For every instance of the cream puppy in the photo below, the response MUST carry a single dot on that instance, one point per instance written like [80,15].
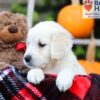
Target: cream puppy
[49,50]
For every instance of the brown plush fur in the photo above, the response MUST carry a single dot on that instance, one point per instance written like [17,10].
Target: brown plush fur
[13,29]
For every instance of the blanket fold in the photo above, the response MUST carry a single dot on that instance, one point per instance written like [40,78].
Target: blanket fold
[14,86]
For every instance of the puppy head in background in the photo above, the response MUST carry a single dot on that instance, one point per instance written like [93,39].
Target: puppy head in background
[46,41]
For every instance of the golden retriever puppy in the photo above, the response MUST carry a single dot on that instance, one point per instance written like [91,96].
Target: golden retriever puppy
[49,50]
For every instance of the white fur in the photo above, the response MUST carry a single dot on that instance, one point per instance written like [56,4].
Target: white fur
[55,58]
[35,76]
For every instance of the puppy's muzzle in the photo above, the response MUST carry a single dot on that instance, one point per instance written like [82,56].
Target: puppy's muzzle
[28,58]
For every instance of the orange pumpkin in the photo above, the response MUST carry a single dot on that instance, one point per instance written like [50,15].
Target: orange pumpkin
[70,17]
[90,67]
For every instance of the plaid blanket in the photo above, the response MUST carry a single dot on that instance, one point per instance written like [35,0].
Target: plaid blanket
[14,86]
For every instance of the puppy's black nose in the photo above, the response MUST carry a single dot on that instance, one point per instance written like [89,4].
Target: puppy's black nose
[28,58]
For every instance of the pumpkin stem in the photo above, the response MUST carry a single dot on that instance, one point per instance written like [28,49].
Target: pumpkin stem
[90,56]
[75,2]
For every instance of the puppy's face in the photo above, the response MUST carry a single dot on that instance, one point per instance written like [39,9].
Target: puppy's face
[45,42]
[38,50]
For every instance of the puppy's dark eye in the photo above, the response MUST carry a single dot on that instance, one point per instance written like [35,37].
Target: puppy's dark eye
[41,44]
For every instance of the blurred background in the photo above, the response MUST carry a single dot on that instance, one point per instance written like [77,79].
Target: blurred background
[49,10]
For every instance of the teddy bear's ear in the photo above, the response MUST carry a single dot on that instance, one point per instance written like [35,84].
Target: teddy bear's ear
[22,23]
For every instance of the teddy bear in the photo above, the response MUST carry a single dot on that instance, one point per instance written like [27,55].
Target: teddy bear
[13,31]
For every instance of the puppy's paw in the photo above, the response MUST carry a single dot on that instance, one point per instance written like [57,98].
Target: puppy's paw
[35,76]
[63,82]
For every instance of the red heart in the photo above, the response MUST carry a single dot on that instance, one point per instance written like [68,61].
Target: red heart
[88,7]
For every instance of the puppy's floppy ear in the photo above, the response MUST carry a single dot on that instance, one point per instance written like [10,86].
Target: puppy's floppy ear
[60,45]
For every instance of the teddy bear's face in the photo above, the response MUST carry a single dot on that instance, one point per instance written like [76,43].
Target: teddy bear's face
[13,27]
[11,33]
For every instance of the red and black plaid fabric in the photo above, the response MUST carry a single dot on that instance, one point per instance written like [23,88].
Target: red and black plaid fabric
[14,86]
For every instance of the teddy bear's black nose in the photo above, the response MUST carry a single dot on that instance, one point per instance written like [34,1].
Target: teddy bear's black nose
[13,29]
